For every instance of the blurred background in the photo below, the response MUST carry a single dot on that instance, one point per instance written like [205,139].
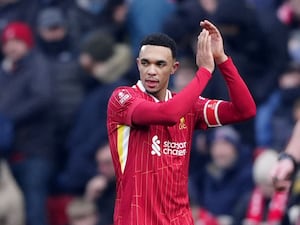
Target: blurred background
[61,59]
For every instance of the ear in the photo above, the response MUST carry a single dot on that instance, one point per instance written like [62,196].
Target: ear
[175,67]
[138,62]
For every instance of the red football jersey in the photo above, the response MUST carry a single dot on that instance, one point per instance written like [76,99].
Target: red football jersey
[152,162]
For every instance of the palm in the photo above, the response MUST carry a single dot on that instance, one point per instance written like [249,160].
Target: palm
[216,45]
[216,39]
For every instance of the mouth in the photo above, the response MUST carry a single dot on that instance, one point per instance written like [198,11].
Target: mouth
[151,83]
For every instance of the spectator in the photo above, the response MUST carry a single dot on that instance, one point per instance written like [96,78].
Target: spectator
[12,204]
[102,188]
[228,173]
[85,16]
[12,10]
[105,63]
[82,212]
[33,7]
[26,99]
[263,205]
[98,47]
[53,35]
[56,45]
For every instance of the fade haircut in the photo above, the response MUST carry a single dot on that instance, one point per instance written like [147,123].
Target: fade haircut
[160,39]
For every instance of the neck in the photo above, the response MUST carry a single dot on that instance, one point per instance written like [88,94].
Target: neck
[160,96]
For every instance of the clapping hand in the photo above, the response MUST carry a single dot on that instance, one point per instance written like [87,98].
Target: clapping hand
[217,46]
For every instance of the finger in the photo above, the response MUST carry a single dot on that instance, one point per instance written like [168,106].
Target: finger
[273,175]
[284,170]
[282,185]
[205,24]
[279,176]
[202,40]
[202,24]
[200,37]
[208,44]
[278,183]
[209,26]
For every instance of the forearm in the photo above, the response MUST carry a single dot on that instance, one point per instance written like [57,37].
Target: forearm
[293,147]
[241,105]
[169,113]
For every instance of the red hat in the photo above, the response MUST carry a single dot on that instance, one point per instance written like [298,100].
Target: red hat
[18,30]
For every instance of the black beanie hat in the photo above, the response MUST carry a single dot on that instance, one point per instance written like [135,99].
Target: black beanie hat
[99,45]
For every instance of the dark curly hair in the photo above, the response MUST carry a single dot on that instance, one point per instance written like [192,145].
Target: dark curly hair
[160,39]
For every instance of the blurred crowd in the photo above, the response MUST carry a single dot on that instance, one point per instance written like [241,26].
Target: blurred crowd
[61,59]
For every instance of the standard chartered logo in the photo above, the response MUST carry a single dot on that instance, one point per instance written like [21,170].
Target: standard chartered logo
[168,148]
[155,146]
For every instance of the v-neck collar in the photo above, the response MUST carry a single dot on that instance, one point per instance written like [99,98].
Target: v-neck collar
[141,87]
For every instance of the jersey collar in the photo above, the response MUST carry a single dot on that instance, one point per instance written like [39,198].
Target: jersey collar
[141,87]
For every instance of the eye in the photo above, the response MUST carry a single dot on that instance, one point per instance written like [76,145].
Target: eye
[144,63]
[161,64]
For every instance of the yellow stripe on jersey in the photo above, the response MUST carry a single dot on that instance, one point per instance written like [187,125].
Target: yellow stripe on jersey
[123,141]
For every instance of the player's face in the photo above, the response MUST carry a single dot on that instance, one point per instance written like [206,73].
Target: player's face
[156,64]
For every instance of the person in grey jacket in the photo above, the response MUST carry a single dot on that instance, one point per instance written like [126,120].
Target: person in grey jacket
[26,99]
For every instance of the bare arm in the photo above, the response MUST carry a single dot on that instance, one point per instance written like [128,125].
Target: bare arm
[283,170]
[293,147]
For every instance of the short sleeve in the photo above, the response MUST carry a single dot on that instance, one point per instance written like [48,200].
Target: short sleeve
[121,105]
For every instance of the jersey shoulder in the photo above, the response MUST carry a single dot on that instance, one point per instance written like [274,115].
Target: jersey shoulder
[123,94]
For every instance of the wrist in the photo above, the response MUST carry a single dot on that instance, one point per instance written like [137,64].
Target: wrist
[204,70]
[220,59]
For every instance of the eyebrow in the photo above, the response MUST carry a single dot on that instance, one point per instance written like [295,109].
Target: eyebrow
[156,62]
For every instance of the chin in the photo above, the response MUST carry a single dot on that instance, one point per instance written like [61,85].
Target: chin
[151,91]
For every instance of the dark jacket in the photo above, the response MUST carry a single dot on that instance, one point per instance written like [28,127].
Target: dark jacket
[6,135]
[88,133]
[220,194]
[26,98]
[68,86]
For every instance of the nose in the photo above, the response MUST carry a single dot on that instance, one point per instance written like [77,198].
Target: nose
[151,70]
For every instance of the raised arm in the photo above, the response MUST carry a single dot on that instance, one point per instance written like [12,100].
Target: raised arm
[241,105]
[169,113]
